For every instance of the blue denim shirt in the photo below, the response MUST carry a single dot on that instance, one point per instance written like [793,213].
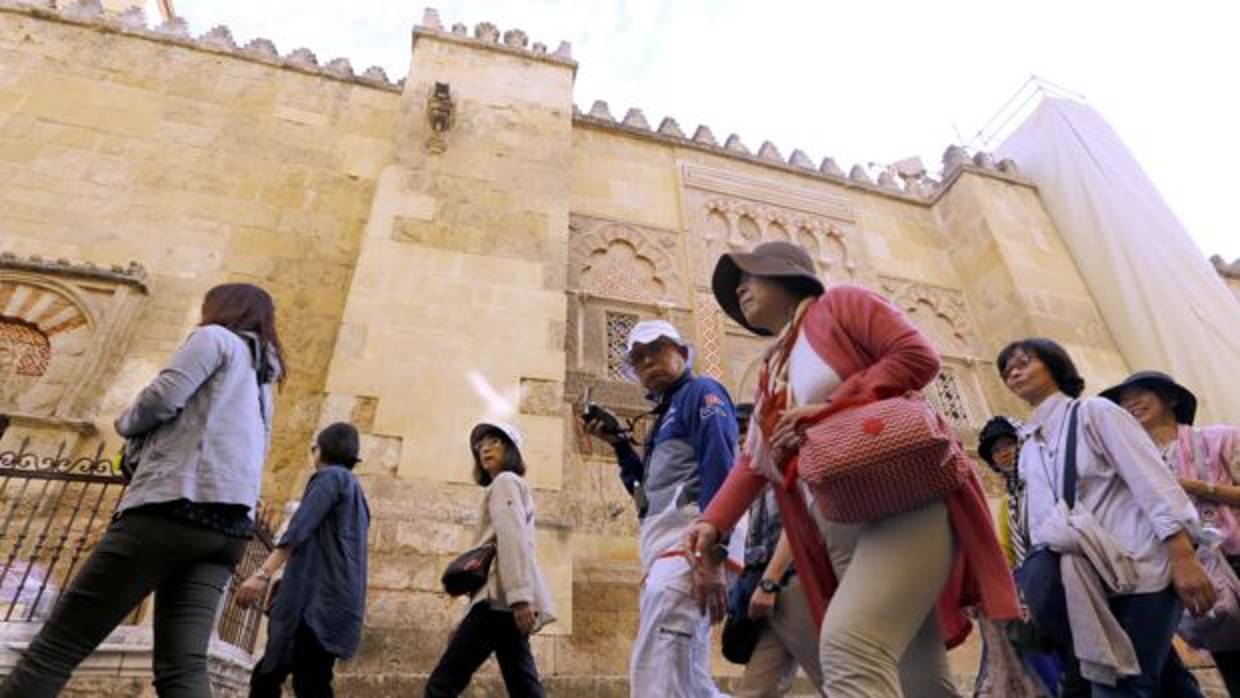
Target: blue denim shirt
[324,584]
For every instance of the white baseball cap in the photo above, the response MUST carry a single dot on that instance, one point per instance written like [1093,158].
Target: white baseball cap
[648,332]
[510,430]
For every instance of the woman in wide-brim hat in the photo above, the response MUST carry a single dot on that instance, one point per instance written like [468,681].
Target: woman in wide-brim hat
[872,586]
[515,602]
[1205,459]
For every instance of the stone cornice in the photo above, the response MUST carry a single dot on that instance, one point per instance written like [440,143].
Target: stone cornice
[89,13]
[924,192]
[133,275]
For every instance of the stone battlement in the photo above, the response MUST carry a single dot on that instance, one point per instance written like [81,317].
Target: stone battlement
[487,35]
[910,186]
[216,40]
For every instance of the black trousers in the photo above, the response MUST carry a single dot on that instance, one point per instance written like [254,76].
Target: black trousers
[483,631]
[188,568]
[311,666]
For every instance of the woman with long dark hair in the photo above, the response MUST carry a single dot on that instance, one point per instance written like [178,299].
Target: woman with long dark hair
[515,602]
[873,587]
[199,433]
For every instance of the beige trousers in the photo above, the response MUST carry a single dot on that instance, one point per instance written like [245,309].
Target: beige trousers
[788,640]
[880,637]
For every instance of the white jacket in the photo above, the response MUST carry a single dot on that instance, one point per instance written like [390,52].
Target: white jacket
[507,517]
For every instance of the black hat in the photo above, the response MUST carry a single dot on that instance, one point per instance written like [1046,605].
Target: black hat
[995,429]
[771,259]
[1185,401]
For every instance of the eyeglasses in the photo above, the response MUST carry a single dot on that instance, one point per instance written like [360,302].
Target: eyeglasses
[487,441]
[1021,361]
[642,353]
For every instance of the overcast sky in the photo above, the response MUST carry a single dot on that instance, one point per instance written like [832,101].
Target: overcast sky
[862,81]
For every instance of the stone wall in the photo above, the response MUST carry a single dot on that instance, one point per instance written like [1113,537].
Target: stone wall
[203,165]
[464,244]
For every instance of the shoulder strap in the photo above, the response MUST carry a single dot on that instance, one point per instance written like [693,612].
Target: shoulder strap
[1069,461]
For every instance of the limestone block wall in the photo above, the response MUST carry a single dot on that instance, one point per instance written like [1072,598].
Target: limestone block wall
[202,162]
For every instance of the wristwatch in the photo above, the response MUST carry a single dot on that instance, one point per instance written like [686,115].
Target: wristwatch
[770,586]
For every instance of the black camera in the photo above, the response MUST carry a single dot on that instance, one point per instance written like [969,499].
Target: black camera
[609,423]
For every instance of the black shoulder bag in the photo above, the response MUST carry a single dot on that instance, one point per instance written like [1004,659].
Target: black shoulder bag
[1038,577]
[469,572]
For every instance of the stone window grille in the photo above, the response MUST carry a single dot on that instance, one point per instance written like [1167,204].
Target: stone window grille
[618,327]
[947,394]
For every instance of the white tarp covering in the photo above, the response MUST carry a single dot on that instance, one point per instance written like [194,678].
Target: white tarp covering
[1163,301]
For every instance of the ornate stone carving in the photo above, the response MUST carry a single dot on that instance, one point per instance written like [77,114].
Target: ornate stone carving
[60,324]
[263,48]
[565,50]
[710,332]
[624,262]
[940,312]
[745,224]
[430,19]
[340,67]
[859,175]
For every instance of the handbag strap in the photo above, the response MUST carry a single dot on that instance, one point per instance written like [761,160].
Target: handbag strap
[1069,461]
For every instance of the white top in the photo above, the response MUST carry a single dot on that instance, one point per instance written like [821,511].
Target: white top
[1121,480]
[811,378]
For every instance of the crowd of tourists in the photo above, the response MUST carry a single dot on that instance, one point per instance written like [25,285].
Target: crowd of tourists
[834,523]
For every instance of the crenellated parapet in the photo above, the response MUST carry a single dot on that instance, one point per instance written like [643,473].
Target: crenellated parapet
[133,22]
[905,180]
[488,36]
[894,180]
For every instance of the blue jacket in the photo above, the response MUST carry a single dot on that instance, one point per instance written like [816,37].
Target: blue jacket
[692,446]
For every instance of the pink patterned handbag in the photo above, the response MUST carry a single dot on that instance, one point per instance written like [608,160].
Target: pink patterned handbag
[881,458]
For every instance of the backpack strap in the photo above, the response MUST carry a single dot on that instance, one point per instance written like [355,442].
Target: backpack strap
[1069,460]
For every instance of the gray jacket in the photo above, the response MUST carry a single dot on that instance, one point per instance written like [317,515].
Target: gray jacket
[203,425]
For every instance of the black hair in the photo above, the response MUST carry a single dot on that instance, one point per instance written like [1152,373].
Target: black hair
[1049,352]
[338,445]
[796,286]
[513,462]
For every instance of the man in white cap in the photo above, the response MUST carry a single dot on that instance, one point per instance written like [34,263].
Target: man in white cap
[684,461]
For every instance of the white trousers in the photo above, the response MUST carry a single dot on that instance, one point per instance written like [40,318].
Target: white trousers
[671,655]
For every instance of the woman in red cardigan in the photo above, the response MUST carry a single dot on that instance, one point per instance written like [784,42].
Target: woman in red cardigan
[873,588]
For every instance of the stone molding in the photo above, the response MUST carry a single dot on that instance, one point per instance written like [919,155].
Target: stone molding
[488,37]
[923,191]
[134,274]
[948,304]
[218,40]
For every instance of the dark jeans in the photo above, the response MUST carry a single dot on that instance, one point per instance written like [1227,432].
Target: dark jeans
[483,631]
[1150,621]
[310,665]
[1228,665]
[186,566]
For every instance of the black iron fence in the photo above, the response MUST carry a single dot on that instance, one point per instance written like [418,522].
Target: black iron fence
[53,510]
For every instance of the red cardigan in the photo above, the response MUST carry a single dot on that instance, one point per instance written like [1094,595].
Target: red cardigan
[879,353]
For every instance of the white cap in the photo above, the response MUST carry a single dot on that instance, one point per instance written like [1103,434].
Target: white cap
[648,332]
[510,430]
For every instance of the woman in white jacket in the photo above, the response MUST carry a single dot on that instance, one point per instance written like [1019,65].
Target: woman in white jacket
[515,602]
